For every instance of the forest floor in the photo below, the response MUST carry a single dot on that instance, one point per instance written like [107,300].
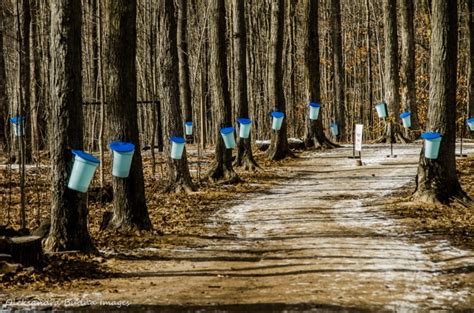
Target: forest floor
[316,232]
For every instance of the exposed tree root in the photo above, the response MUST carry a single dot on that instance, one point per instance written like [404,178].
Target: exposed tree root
[220,173]
[180,186]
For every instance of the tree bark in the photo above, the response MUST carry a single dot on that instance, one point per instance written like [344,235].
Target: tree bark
[339,81]
[3,90]
[470,6]
[408,62]
[279,142]
[180,179]
[391,78]
[130,210]
[437,180]
[184,86]
[314,136]
[245,157]
[221,169]
[68,207]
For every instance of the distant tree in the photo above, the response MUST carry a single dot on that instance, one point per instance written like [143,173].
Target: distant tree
[245,157]
[184,86]
[180,179]
[391,73]
[68,207]
[338,86]
[130,209]
[408,62]
[4,124]
[279,148]
[437,180]
[314,136]
[221,168]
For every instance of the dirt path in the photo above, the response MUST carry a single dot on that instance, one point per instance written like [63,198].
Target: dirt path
[320,240]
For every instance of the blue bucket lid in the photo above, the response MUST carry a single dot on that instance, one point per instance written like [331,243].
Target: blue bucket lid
[242,120]
[314,104]
[405,114]
[431,135]
[278,114]
[189,123]
[120,146]
[333,125]
[227,130]
[86,156]
[17,119]
[177,139]
[470,120]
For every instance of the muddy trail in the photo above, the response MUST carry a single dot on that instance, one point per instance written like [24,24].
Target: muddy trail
[320,241]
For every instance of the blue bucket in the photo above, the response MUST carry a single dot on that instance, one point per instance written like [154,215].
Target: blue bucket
[18,125]
[277,120]
[470,123]
[177,147]
[432,144]
[245,124]
[227,134]
[123,155]
[334,129]
[188,128]
[406,119]
[381,109]
[314,110]
[82,171]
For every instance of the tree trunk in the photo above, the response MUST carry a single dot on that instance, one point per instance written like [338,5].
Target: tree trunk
[408,63]
[470,5]
[25,77]
[3,90]
[437,180]
[184,87]
[314,136]
[391,79]
[339,81]
[244,151]
[180,179]
[130,210]
[221,168]
[279,142]
[68,207]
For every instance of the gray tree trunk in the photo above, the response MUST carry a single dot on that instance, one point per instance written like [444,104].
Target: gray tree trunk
[184,87]
[221,168]
[408,62]
[339,83]
[180,179]
[130,210]
[470,6]
[437,180]
[279,148]
[314,136]
[3,91]
[244,149]
[68,207]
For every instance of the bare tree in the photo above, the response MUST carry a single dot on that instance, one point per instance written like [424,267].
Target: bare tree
[470,19]
[408,61]
[184,87]
[221,168]
[245,157]
[3,90]
[314,136]
[279,148]
[68,207]
[180,179]
[437,180]
[338,86]
[130,209]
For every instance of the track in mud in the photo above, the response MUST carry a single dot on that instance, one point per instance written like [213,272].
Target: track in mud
[320,240]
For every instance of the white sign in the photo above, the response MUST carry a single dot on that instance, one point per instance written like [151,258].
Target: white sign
[358,136]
